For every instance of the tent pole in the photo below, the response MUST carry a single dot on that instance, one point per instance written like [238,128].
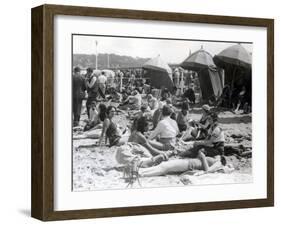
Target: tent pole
[232,83]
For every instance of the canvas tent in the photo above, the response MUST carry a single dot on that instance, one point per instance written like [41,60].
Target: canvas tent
[159,73]
[209,77]
[210,83]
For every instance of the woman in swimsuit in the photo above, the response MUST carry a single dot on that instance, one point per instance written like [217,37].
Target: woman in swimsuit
[110,129]
[207,164]
[137,136]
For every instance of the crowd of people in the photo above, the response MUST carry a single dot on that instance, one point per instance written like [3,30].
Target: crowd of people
[163,137]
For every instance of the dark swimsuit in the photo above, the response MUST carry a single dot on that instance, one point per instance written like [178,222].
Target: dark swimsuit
[112,134]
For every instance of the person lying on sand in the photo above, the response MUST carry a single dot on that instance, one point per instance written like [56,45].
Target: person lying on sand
[135,154]
[110,130]
[207,164]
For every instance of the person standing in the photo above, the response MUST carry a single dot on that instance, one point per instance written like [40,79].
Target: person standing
[92,89]
[102,84]
[78,93]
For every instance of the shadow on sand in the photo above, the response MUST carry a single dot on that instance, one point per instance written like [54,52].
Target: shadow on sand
[236,119]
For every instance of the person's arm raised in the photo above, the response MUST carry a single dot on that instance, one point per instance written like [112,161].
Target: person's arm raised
[92,82]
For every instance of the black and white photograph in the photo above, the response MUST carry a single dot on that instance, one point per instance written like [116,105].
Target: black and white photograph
[158,112]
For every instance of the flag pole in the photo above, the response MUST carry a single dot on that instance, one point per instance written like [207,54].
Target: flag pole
[96,55]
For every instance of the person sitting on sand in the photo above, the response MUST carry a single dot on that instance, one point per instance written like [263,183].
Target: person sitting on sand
[97,116]
[183,118]
[173,109]
[200,129]
[157,115]
[144,111]
[165,94]
[189,95]
[167,129]
[224,98]
[207,164]
[241,97]
[133,102]
[137,136]
[110,130]
[114,96]
[213,144]
[139,151]
[152,103]
[204,118]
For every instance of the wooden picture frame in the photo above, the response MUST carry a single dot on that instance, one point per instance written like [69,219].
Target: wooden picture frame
[42,203]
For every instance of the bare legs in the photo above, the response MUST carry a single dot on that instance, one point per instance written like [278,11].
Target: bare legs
[171,166]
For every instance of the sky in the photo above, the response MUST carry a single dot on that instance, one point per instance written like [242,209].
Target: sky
[171,51]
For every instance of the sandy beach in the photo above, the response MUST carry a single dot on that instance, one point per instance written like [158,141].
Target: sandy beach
[95,168]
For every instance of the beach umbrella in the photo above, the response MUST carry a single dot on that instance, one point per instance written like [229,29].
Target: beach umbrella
[234,60]
[159,73]
[235,55]
[209,78]
[198,60]
[157,64]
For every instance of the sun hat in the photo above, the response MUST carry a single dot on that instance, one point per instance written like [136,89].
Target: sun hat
[206,107]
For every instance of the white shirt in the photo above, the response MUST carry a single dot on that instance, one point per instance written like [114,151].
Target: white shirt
[93,115]
[136,100]
[153,103]
[166,128]
[216,135]
[102,79]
